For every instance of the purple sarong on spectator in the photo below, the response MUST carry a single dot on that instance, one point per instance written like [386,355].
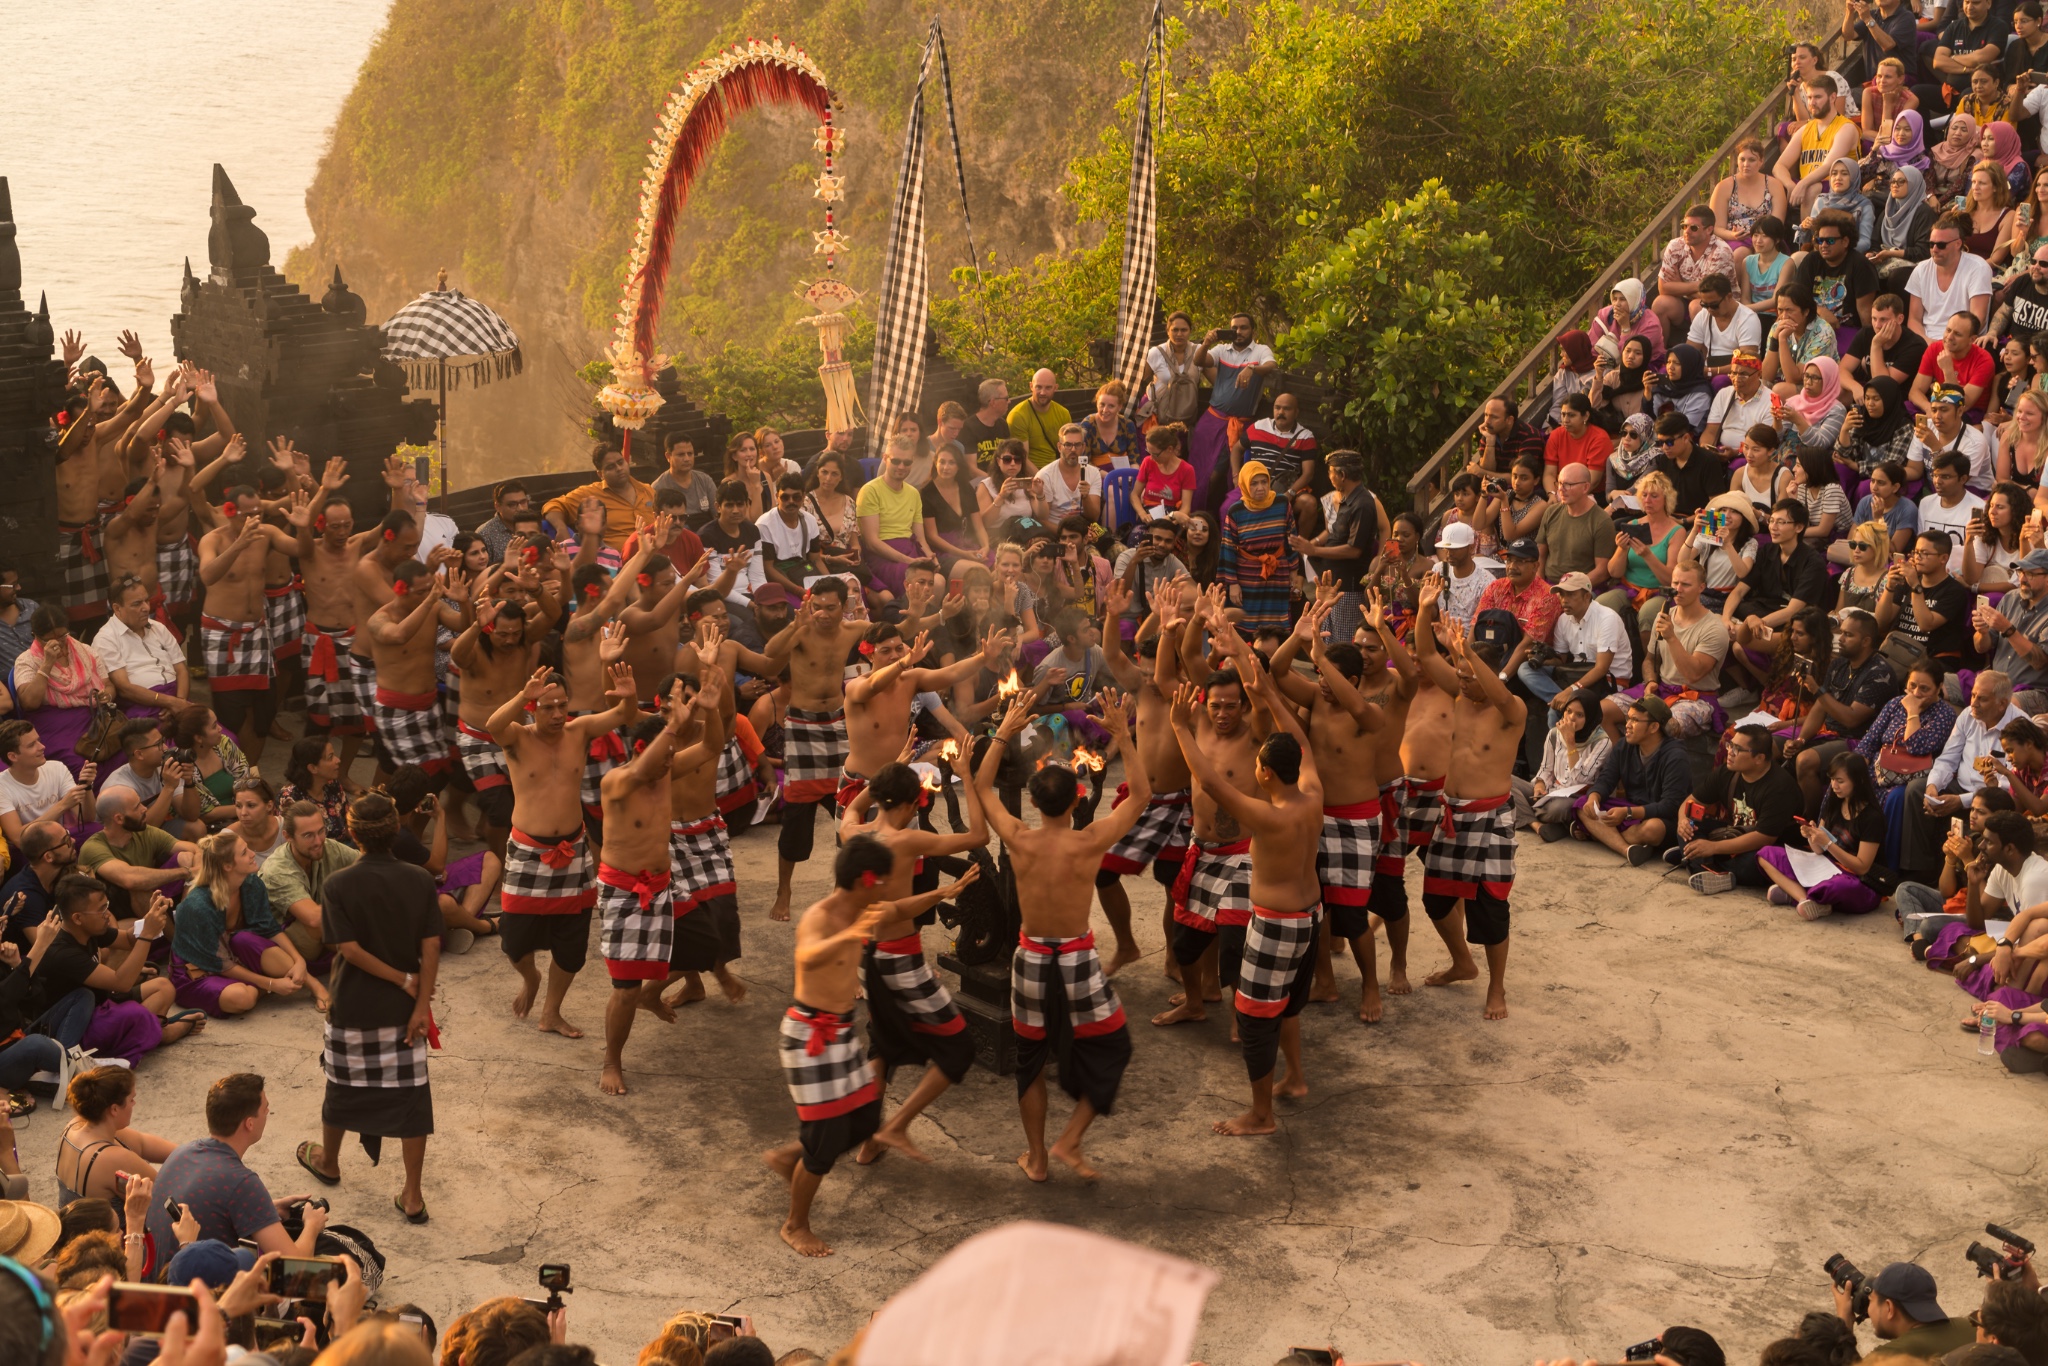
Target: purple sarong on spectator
[888,574]
[123,1029]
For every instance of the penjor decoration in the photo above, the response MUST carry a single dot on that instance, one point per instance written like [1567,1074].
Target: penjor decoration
[695,117]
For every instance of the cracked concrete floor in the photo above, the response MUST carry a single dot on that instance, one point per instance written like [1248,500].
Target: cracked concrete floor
[1694,1102]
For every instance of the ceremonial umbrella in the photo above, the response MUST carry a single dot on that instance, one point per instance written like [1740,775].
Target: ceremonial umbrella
[444,336]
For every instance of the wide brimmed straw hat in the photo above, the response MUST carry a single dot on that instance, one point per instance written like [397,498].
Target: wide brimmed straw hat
[27,1230]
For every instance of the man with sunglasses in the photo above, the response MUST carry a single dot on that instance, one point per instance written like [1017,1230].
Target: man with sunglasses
[2025,310]
[48,852]
[1951,280]
[1695,475]
[1840,278]
[1688,260]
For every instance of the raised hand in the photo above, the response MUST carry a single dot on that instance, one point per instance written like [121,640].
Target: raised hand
[622,688]
[1327,590]
[203,386]
[1185,698]
[707,633]
[966,880]
[1116,596]
[397,474]
[129,345]
[1375,609]
[590,518]
[74,347]
[300,511]
[1115,719]
[995,647]
[611,642]
[1014,720]
[236,448]
[333,474]
[281,454]
[145,373]
[180,452]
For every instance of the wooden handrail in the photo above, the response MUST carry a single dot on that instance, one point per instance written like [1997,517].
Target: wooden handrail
[1425,489]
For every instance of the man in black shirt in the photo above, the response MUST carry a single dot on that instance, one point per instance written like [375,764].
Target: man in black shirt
[1859,682]
[1887,349]
[1741,808]
[1974,37]
[1695,475]
[383,919]
[125,1018]
[1632,807]
[1839,277]
[1924,603]
[988,426]
[1786,576]
[2025,310]
[47,853]
[1346,547]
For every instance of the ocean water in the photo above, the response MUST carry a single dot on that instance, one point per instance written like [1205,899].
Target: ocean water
[112,114]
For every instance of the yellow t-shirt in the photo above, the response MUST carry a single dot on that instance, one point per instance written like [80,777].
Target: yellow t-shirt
[898,510]
[1814,143]
[1039,431]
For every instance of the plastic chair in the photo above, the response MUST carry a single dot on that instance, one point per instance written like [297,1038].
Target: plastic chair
[1116,497]
[869,466]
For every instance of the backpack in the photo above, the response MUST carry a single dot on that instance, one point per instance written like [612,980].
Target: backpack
[1497,626]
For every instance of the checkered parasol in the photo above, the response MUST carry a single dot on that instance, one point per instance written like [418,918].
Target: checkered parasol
[446,336]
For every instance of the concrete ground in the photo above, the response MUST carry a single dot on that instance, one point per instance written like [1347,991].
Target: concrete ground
[1693,1103]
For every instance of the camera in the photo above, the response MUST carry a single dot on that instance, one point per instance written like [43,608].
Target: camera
[1989,1264]
[182,755]
[554,1278]
[1843,1273]
[2009,1238]
[1644,1351]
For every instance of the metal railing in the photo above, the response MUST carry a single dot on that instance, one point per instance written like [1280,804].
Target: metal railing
[1527,385]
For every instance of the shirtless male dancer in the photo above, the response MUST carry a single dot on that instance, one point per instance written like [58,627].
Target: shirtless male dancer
[837,1090]
[706,894]
[651,618]
[708,645]
[637,923]
[406,706]
[496,653]
[191,462]
[91,441]
[878,702]
[234,638]
[1472,855]
[912,1017]
[1212,898]
[1356,710]
[1160,837]
[548,891]
[1285,823]
[1058,995]
[814,729]
[1412,806]
[390,543]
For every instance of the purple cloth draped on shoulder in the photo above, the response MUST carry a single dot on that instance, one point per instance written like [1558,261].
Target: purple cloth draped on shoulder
[1208,445]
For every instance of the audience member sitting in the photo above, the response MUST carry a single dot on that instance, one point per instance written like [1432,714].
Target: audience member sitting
[1619,386]
[831,502]
[1744,405]
[788,536]
[465,886]
[1576,536]
[256,816]
[2014,633]
[1810,149]
[1867,550]
[1787,576]
[35,787]
[1576,441]
[218,764]
[1850,832]
[1886,502]
[1741,199]
[2023,769]
[295,875]
[1788,678]
[1810,477]
[145,663]
[2023,441]
[1756,479]
[101,1142]
[1886,349]
[1959,362]
[1993,546]
[1720,543]
[1798,337]
[1575,752]
[1695,475]
[1924,910]
[56,682]
[1908,1321]
[153,776]
[132,856]
[209,1178]
[1683,387]
[952,512]
[1681,663]
[1931,800]
[313,775]
[495,1332]
[1724,326]
[1836,273]
[1623,318]
[229,949]
[1951,280]
[1949,509]
[1632,806]
[1924,605]
[1641,562]
[1745,805]
[1853,688]
[1576,373]
[1165,486]
[2013,376]
[1524,502]
[123,1016]
[1591,645]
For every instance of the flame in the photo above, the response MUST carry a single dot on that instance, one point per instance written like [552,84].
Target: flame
[1009,687]
[950,750]
[1087,761]
[931,781]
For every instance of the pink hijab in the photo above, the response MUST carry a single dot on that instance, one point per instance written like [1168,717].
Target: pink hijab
[1815,408]
[1960,145]
[2005,146]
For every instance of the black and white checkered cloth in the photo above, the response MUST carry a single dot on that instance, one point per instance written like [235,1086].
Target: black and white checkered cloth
[331,701]
[1137,294]
[445,331]
[635,922]
[409,728]
[813,753]
[177,571]
[546,879]
[896,377]
[374,1057]
[700,861]
[82,569]
[604,753]
[1409,813]
[1215,886]
[1092,1007]
[481,758]
[284,615]
[827,1071]
[900,967]
[1277,950]
[1344,860]
[1161,832]
[733,772]
[1476,853]
[236,653]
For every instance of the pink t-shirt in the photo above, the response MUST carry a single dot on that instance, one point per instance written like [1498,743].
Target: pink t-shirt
[1159,492]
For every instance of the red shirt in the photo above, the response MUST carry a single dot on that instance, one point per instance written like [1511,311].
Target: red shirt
[685,550]
[1536,607]
[1590,450]
[1974,370]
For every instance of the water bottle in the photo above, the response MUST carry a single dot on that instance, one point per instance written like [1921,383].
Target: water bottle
[1987,1030]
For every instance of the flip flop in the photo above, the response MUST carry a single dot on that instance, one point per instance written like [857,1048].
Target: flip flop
[183,1013]
[307,1162]
[20,1104]
[398,1203]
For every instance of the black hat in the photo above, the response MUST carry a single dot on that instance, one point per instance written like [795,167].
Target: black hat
[1524,549]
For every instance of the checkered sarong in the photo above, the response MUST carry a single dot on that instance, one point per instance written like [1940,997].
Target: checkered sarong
[409,728]
[82,570]
[823,1064]
[1278,948]
[236,653]
[1161,832]
[284,612]
[481,758]
[177,571]
[605,753]
[547,878]
[374,1057]
[1215,885]
[636,927]
[1409,811]
[1474,849]
[1091,1006]
[735,778]
[331,701]
[700,861]
[1344,860]
[813,753]
[900,967]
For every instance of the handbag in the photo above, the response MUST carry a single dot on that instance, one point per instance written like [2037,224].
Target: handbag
[1176,399]
[102,733]
[1894,759]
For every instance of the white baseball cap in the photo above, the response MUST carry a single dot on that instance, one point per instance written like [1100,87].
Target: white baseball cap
[1456,536]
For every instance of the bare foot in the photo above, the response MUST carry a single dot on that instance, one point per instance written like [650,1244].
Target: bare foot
[689,993]
[1318,995]
[523,1002]
[802,1239]
[613,1082]
[870,1153]
[1496,1003]
[651,1002]
[900,1141]
[558,1025]
[735,990]
[1034,1170]
[1246,1125]
[1453,973]
[1293,1088]
[1184,1013]
[1172,969]
[1123,958]
[1369,1007]
[1073,1158]
[779,911]
[1397,980]
[782,1161]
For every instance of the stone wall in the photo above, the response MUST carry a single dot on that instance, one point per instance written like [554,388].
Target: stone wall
[31,390]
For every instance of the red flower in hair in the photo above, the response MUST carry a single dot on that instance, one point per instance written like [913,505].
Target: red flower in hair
[400,588]
[867,647]
[160,432]
[61,420]
[644,580]
[320,522]
[591,590]
[490,626]
[231,508]
[531,554]
[390,533]
[868,879]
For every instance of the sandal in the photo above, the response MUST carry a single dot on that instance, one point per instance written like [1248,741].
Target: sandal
[398,1203]
[20,1103]
[307,1162]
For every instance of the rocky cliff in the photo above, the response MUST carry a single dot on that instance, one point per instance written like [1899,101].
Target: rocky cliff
[504,139]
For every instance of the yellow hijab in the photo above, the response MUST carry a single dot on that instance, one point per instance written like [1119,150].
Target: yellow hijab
[1244,485]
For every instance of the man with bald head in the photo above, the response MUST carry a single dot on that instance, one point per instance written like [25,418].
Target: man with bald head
[1036,421]
[131,855]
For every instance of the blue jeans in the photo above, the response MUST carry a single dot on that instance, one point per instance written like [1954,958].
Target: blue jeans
[1539,682]
[67,1021]
[26,1056]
